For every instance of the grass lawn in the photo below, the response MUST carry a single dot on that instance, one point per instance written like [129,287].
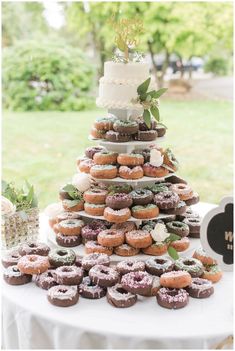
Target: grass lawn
[43,146]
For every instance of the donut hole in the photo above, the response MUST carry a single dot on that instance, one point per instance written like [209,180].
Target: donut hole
[15,256]
[181,187]
[62,291]
[129,264]
[32,259]
[15,269]
[177,225]
[199,282]
[49,274]
[159,261]
[167,196]
[121,291]
[61,253]
[31,245]
[67,269]
[104,271]
[138,279]
[189,263]
[172,292]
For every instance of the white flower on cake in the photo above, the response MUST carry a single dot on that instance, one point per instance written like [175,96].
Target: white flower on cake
[159,233]
[81,181]
[54,209]
[7,206]
[156,158]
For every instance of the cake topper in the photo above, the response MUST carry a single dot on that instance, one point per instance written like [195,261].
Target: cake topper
[127,38]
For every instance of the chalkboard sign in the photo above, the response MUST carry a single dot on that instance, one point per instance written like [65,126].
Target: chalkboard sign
[217,233]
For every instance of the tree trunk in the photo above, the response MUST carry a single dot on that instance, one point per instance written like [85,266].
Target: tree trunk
[164,69]
[155,70]
[190,72]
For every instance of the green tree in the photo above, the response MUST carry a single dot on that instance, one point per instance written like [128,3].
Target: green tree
[22,20]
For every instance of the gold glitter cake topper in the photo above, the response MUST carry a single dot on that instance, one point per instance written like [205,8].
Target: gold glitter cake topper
[127,34]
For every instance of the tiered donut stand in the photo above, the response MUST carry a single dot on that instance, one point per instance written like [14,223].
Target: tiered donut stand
[121,147]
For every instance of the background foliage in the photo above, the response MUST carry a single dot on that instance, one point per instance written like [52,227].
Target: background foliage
[194,29]
[46,76]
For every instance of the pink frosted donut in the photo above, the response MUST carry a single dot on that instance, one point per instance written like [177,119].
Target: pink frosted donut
[33,264]
[137,283]
[103,276]
[130,265]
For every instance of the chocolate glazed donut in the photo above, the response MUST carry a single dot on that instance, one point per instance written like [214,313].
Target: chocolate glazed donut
[119,297]
[172,298]
[119,201]
[141,196]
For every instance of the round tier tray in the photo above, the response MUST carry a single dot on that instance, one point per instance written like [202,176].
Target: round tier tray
[134,181]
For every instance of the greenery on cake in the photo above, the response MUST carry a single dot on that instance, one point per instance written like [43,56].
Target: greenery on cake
[149,101]
[23,198]
[127,36]
[171,250]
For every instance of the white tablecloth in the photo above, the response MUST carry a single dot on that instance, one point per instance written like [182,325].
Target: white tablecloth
[30,322]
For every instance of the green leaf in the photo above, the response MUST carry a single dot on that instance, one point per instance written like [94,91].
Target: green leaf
[4,186]
[147,118]
[142,88]
[69,187]
[159,93]
[173,237]
[143,97]
[155,112]
[172,253]
[162,124]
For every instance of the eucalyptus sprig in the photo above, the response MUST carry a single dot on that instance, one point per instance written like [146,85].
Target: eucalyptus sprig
[149,101]
[74,194]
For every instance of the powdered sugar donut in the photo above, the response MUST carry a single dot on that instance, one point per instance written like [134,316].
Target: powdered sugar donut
[68,275]
[103,276]
[62,295]
[212,273]
[124,227]
[118,201]
[94,209]
[33,264]
[181,245]
[69,205]
[156,249]
[117,216]
[155,172]
[119,297]
[86,165]
[172,298]
[67,215]
[175,279]
[127,266]
[130,159]
[93,259]
[95,196]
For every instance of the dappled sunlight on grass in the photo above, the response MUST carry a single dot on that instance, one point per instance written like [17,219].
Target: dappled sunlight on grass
[43,146]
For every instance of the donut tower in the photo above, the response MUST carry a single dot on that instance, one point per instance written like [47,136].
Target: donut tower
[126,184]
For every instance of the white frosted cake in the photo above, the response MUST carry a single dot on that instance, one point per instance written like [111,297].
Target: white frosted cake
[119,84]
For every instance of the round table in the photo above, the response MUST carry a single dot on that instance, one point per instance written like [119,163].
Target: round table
[30,322]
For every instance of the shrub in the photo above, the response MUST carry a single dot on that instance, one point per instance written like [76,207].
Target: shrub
[219,66]
[46,76]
